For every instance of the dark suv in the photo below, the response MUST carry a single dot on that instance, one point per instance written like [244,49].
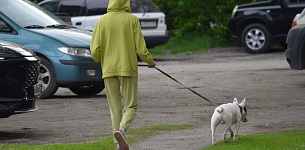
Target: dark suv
[259,25]
[19,87]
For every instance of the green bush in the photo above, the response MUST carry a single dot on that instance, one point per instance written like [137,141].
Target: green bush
[201,17]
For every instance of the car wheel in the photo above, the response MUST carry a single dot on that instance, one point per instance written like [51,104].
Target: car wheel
[255,38]
[88,90]
[47,77]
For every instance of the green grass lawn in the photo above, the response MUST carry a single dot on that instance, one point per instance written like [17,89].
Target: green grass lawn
[105,144]
[282,140]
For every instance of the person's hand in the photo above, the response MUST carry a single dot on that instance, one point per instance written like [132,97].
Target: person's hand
[152,65]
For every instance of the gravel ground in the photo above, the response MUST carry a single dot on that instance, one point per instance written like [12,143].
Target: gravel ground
[275,101]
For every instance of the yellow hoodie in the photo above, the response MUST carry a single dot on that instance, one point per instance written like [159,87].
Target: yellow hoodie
[117,40]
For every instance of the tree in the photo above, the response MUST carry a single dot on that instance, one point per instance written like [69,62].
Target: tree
[199,16]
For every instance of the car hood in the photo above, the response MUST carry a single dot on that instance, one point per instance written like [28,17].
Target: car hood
[71,37]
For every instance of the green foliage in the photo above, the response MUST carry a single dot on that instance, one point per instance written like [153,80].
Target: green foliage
[37,1]
[272,140]
[202,17]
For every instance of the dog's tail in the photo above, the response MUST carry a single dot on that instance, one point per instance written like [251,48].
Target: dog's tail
[220,110]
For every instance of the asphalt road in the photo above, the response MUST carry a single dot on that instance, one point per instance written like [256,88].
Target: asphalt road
[275,101]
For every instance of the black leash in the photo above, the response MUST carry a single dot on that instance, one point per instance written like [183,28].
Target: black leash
[181,84]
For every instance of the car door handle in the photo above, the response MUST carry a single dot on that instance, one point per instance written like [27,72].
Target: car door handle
[78,23]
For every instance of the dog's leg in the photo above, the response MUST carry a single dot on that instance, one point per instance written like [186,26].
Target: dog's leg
[231,132]
[225,133]
[213,128]
[214,123]
[237,124]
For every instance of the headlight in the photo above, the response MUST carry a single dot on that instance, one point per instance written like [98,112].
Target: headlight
[31,58]
[234,10]
[75,51]
[20,50]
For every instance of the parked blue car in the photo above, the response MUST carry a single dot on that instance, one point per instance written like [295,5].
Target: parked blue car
[64,50]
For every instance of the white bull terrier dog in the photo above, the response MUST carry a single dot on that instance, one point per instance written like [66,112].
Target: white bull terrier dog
[229,114]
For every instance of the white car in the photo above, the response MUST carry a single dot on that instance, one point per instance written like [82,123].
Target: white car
[86,13]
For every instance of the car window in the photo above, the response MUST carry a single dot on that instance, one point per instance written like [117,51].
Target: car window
[97,7]
[141,6]
[23,17]
[4,27]
[73,8]
[51,7]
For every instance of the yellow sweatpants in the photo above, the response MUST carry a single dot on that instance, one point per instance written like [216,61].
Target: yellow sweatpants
[130,97]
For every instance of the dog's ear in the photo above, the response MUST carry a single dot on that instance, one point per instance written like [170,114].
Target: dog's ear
[235,101]
[243,103]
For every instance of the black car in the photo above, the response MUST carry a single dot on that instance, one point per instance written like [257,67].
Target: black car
[259,25]
[19,72]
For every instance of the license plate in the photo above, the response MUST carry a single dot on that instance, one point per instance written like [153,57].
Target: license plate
[148,24]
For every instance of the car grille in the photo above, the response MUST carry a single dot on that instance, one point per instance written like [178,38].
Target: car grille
[31,74]
[18,77]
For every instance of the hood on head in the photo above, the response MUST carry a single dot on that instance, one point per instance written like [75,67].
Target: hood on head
[118,5]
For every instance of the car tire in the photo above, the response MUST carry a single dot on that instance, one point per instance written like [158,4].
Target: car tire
[255,38]
[47,77]
[87,90]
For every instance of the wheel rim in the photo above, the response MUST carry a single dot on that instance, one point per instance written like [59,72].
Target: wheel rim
[45,77]
[255,39]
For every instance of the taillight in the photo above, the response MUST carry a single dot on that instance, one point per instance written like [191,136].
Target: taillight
[295,19]
[294,23]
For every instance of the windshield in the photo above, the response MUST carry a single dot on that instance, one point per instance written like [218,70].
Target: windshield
[25,14]
[143,6]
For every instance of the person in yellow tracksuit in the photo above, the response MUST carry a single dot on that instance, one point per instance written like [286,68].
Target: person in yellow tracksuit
[116,42]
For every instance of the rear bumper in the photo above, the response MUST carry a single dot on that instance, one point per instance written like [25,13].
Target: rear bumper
[152,41]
